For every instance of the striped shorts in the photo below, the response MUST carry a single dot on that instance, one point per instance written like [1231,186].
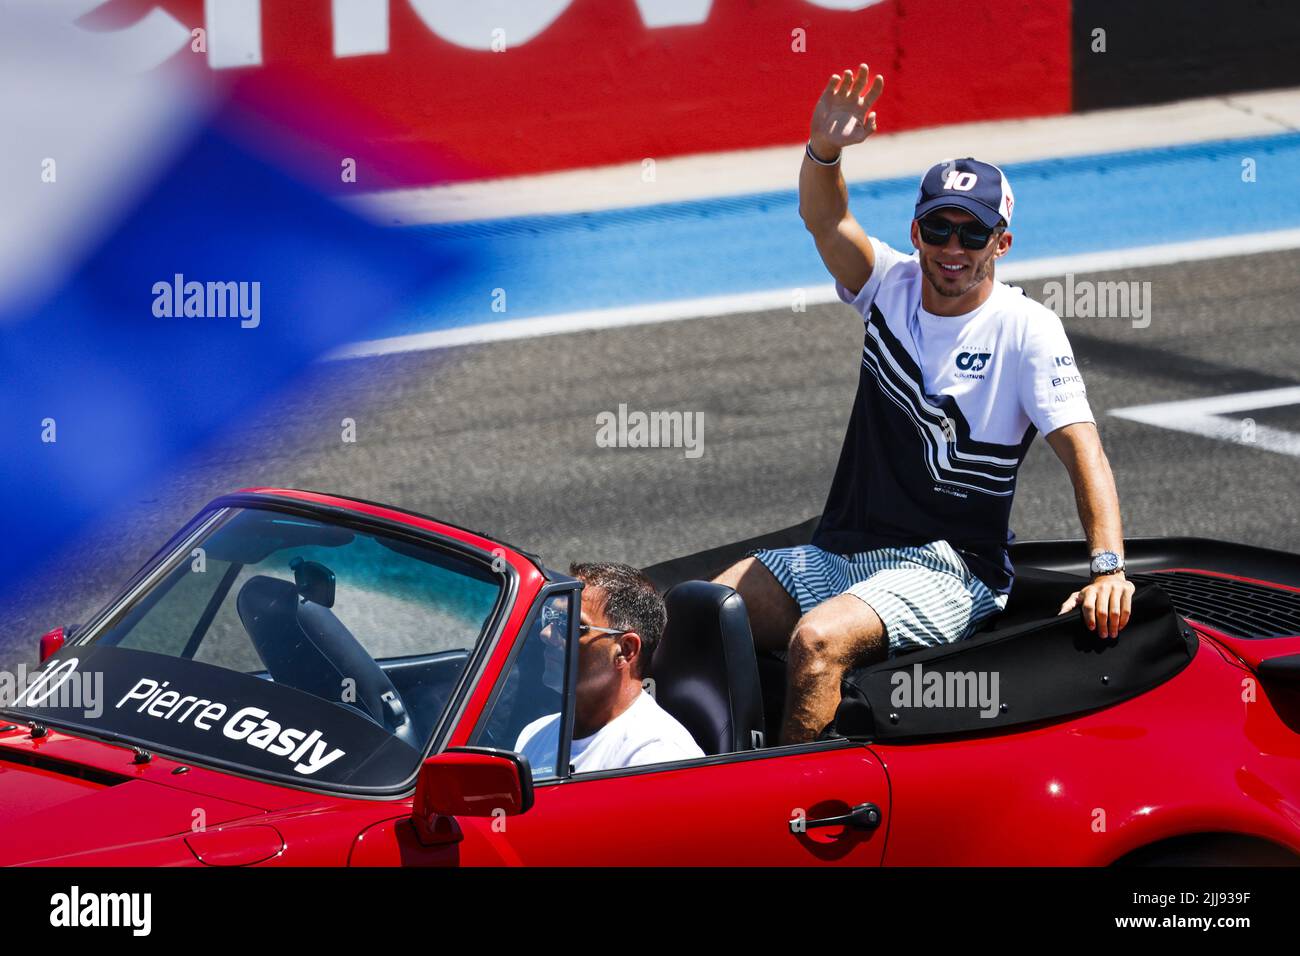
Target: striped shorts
[925,595]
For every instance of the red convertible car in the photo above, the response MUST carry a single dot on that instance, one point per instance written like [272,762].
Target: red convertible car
[304,679]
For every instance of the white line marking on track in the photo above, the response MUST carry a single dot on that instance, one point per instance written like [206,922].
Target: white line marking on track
[557,324]
[1204,416]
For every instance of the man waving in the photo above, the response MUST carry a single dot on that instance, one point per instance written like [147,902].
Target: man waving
[959,372]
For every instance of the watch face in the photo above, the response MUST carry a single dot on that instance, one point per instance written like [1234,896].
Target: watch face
[1104,562]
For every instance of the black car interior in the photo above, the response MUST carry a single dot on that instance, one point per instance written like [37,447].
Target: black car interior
[304,645]
[405,695]
[731,699]
[705,670]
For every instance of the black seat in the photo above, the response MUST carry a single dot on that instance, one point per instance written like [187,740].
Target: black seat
[305,646]
[705,671]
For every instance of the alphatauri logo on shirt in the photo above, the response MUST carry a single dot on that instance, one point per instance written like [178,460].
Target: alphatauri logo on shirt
[971,363]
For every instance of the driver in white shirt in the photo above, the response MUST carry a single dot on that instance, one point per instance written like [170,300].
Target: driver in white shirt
[616,722]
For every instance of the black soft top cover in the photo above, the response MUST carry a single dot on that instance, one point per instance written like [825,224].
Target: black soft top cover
[1046,667]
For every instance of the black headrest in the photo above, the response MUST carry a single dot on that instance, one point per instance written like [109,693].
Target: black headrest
[705,672]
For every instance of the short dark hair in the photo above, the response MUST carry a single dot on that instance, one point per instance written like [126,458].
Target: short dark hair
[631,603]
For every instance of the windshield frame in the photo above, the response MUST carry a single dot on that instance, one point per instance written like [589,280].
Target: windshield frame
[177,550]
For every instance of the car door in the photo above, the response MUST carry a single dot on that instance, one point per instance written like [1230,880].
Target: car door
[761,808]
[764,807]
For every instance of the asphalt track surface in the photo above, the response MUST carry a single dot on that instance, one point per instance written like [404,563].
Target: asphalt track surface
[502,437]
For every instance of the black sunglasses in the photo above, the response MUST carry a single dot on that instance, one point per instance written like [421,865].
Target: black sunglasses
[972,235]
[554,616]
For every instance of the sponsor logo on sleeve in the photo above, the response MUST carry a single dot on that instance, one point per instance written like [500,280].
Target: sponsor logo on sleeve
[1067,381]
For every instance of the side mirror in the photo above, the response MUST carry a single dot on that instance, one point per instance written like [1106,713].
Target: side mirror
[51,643]
[469,782]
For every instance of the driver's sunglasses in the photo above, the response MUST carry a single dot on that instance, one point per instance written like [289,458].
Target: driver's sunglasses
[556,616]
[972,235]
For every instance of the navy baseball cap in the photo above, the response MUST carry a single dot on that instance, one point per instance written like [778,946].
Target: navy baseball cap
[979,188]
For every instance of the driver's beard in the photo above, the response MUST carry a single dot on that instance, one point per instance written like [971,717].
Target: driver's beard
[983,270]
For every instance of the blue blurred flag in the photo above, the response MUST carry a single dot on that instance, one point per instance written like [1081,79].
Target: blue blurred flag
[103,384]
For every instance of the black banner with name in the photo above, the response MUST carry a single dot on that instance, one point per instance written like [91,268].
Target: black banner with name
[216,715]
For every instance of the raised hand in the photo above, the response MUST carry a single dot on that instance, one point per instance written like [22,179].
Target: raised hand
[843,114]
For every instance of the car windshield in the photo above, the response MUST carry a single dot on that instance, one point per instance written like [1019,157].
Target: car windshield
[282,645]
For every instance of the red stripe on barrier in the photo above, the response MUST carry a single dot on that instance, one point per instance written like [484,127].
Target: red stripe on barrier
[599,84]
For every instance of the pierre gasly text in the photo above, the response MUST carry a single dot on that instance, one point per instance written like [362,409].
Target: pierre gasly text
[307,751]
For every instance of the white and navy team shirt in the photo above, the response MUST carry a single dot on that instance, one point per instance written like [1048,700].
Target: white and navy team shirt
[946,409]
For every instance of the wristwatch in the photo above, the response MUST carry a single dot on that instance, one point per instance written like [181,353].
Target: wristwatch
[1106,562]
